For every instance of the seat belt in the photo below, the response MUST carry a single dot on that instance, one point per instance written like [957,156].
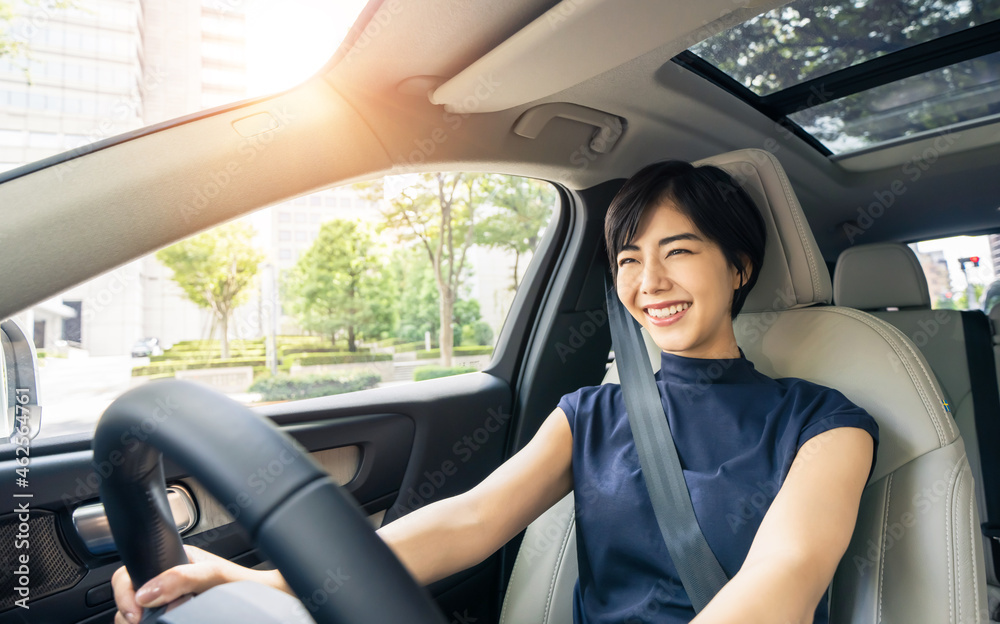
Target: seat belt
[700,572]
[986,405]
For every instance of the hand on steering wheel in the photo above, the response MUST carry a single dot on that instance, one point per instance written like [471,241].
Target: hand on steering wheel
[303,522]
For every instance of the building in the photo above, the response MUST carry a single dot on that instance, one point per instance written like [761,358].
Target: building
[123,64]
[935,268]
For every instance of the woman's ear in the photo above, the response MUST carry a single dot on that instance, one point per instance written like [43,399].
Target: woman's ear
[738,278]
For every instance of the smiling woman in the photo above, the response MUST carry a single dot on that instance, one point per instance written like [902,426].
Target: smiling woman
[707,265]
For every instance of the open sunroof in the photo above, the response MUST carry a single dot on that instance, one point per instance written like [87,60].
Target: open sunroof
[850,75]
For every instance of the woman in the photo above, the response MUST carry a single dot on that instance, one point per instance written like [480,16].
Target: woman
[775,467]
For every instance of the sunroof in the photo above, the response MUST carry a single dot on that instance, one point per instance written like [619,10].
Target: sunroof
[932,100]
[849,75]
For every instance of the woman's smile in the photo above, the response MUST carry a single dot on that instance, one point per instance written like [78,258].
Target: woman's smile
[663,315]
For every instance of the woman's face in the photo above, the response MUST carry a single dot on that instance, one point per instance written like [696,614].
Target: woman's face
[678,285]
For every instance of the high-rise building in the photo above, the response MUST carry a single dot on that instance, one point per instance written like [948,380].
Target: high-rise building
[96,71]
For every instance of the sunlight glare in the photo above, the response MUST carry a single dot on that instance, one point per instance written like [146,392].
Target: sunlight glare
[289,41]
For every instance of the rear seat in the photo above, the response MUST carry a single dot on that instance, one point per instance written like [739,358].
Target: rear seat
[888,275]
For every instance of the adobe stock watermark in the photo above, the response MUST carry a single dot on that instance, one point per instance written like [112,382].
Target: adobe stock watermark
[426,146]
[131,440]
[580,334]
[607,135]
[215,183]
[383,16]
[123,109]
[463,449]
[927,330]
[885,198]
[896,531]
[116,283]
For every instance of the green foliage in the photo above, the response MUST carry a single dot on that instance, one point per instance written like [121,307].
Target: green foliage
[523,207]
[286,351]
[340,358]
[215,269]
[801,41]
[285,388]
[433,372]
[410,346]
[436,212]
[478,333]
[336,284]
[176,365]
[962,300]
[472,350]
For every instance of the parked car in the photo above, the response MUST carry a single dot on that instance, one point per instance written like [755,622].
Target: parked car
[146,347]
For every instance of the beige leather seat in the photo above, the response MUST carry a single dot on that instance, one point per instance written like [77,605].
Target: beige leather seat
[915,556]
[888,275]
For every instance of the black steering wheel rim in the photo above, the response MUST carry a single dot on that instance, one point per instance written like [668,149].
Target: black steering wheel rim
[304,523]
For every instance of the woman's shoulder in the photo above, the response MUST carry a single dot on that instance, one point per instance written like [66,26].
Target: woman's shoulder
[820,408]
[589,399]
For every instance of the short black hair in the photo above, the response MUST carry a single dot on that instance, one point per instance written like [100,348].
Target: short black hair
[710,197]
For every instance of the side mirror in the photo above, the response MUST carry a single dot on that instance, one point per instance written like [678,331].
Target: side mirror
[22,413]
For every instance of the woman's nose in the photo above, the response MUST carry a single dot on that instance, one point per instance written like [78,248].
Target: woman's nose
[654,277]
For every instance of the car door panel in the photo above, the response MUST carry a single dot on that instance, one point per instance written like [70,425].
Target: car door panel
[394,449]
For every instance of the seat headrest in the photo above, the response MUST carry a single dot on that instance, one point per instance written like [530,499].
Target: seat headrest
[878,276]
[794,274]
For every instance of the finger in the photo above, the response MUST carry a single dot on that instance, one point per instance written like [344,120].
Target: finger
[188,578]
[121,585]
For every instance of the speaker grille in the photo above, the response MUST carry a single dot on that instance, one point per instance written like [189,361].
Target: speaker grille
[50,567]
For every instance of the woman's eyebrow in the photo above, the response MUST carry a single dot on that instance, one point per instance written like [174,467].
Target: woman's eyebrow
[667,240]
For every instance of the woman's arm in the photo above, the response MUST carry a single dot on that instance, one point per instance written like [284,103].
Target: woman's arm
[456,533]
[802,537]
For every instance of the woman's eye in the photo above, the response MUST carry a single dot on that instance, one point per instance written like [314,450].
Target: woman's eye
[673,251]
[625,260]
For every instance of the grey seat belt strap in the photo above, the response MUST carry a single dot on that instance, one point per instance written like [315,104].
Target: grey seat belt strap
[700,572]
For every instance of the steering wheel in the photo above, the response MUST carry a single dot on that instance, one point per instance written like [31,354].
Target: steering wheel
[302,521]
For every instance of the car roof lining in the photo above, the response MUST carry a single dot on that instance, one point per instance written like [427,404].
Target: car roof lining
[353,123]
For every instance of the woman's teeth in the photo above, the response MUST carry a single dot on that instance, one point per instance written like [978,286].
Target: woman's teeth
[668,311]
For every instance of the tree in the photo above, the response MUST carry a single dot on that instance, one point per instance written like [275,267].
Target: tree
[803,41]
[438,214]
[337,286]
[215,270]
[524,209]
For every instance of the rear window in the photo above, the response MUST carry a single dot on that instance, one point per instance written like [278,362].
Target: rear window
[960,271]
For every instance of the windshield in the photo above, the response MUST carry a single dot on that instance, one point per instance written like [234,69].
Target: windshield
[76,72]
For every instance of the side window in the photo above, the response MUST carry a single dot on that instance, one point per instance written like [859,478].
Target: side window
[380,283]
[963,272]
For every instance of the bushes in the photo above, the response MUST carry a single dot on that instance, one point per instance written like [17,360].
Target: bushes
[433,372]
[341,357]
[284,387]
[294,350]
[455,352]
[176,365]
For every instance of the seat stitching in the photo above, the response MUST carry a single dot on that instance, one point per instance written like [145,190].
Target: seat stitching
[796,218]
[930,376]
[951,537]
[879,326]
[972,542]
[885,526]
[555,571]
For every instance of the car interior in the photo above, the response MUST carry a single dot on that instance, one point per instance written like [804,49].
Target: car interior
[581,94]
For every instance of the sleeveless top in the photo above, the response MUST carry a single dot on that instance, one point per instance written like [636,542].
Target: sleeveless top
[736,431]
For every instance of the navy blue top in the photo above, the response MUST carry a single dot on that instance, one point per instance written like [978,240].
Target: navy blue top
[736,431]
